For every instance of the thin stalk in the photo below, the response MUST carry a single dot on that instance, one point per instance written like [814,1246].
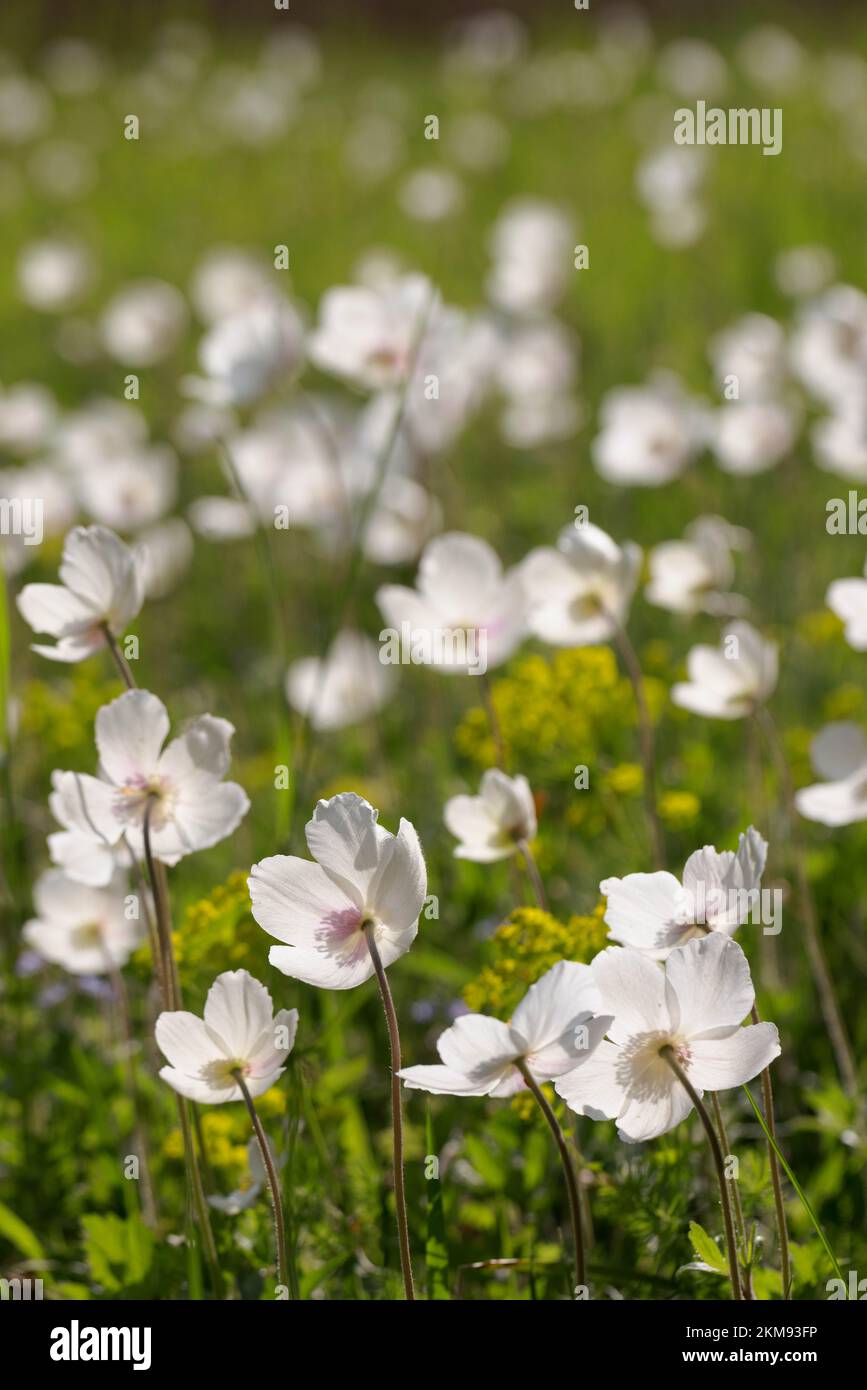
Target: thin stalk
[396,1115]
[271,1170]
[493,721]
[776,1178]
[157,878]
[646,742]
[734,1192]
[127,1049]
[667,1053]
[568,1170]
[819,965]
[120,661]
[533,874]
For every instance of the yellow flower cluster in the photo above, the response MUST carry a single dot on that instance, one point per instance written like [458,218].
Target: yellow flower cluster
[59,717]
[551,710]
[528,943]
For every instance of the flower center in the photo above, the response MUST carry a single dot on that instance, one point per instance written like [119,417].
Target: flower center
[221,1073]
[87,936]
[141,794]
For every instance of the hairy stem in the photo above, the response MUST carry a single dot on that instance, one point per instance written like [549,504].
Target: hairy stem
[776,1176]
[120,661]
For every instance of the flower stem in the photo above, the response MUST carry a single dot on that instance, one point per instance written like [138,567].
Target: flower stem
[776,1179]
[271,1170]
[120,661]
[493,721]
[396,1116]
[646,743]
[568,1170]
[667,1053]
[821,974]
[734,1192]
[127,1050]
[533,874]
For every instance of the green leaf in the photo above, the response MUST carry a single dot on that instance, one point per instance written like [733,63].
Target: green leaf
[707,1249]
[436,1252]
[797,1186]
[487,1164]
[19,1234]
[118,1252]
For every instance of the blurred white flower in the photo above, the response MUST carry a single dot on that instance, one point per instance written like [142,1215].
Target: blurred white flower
[804,270]
[655,912]
[829,345]
[239,1033]
[554,1029]
[100,588]
[431,194]
[177,791]
[848,599]
[144,323]
[402,522]
[82,853]
[579,594]
[461,588]
[349,685]
[164,553]
[28,413]
[364,880]
[497,822]
[81,928]
[693,575]
[537,370]
[730,681]
[692,68]
[532,249]
[367,335]
[840,440]
[772,58]
[752,436]
[221,518]
[695,1007]
[133,490]
[28,484]
[98,432]
[649,434]
[839,756]
[25,108]
[52,274]
[753,350]
[228,281]
[247,353]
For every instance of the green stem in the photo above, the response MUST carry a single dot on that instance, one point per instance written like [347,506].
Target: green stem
[120,661]
[646,742]
[271,1170]
[776,1179]
[568,1170]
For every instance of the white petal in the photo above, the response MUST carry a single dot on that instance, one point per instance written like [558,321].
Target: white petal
[645,911]
[321,969]
[653,1106]
[563,994]
[719,1063]
[709,979]
[398,894]
[595,1088]
[53,609]
[183,1038]
[238,1010]
[442,1081]
[479,1047]
[838,750]
[296,902]
[632,988]
[129,735]
[346,841]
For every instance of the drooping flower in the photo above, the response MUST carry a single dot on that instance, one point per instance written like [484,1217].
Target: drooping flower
[730,681]
[346,686]
[101,587]
[580,593]
[848,599]
[654,913]
[494,824]
[839,756]
[694,1006]
[84,929]
[555,1028]
[465,611]
[179,788]
[239,1032]
[364,880]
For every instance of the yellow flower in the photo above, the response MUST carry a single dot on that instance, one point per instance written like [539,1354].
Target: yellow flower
[527,944]
[626,779]
[679,809]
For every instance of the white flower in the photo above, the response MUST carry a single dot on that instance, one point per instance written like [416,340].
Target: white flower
[132,490]
[531,244]
[692,575]
[239,1032]
[730,681]
[247,353]
[654,913]
[79,849]
[752,436]
[840,441]
[144,323]
[83,928]
[101,587]
[349,685]
[227,281]
[694,1006]
[403,520]
[461,590]
[580,593]
[367,335]
[27,417]
[553,1031]
[364,879]
[100,432]
[180,787]
[164,553]
[53,274]
[649,434]
[829,346]
[839,756]
[754,351]
[494,824]
[848,599]
[429,194]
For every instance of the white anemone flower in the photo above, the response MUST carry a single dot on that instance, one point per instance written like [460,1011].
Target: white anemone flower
[349,685]
[839,755]
[364,879]
[100,592]
[579,594]
[244,355]
[694,1006]
[750,437]
[848,599]
[829,345]
[497,822]
[465,613]
[753,350]
[130,491]
[693,575]
[649,434]
[729,681]
[532,247]
[367,335]
[179,788]
[239,1033]
[80,850]
[554,1030]
[83,928]
[53,274]
[654,913]
[144,323]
